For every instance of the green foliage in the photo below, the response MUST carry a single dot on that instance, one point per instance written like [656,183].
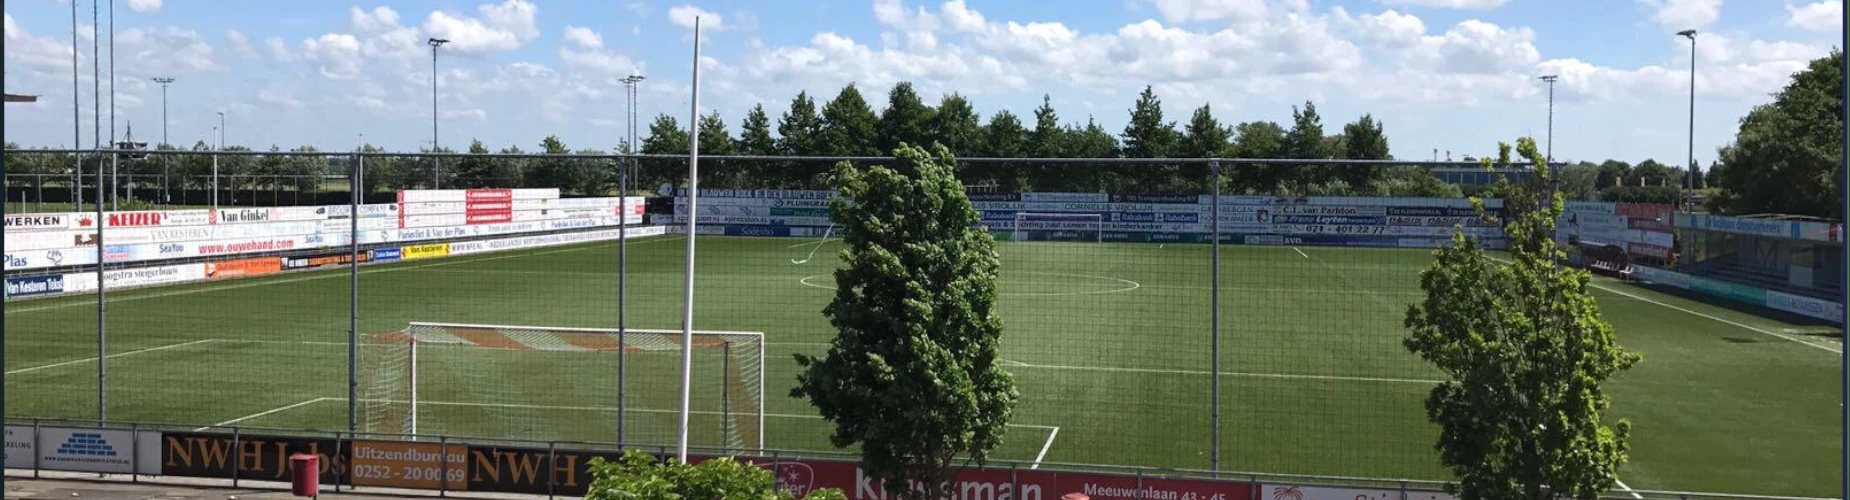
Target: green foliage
[1363,139]
[1147,135]
[957,126]
[1048,138]
[799,131]
[1667,195]
[1525,351]
[848,125]
[1787,156]
[640,476]
[1003,137]
[913,374]
[906,119]
[755,134]
[1579,181]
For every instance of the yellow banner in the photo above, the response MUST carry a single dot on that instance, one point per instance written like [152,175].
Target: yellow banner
[426,251]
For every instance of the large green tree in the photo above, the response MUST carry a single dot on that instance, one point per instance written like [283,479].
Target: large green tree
[666,137]
[1787,156]
[906,119]
[957,126]
[1047,140]
[848,125]
[916,326]
[1004,137]
[755,134]
[716,140]
[799,130]
[1203,137]
[1525,353]
[1363,139]
[1257,139]
[1148,136]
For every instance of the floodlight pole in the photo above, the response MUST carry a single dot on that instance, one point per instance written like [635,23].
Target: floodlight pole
[115,170]
[436,162]
[693,213]
[623,189]
[77,165]
[166,197]
[96,91]
[1551,114]
[1689,168]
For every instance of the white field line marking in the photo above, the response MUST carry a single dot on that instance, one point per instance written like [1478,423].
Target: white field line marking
[609,408]
[1596,284]
[1300,252]
[1628,489]
[1044,448]
[93,358]
[330,273]
[265,412]
[1224,374]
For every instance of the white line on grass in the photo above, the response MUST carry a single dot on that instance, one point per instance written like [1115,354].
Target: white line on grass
[1596,284]
[1044,448]
[1300,252]
[1224,374]
[1628,489]
[203,289]
[119,354]
[265,412]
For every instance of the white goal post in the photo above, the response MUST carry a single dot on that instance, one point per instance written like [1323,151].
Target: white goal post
[1058,226]
[560,383]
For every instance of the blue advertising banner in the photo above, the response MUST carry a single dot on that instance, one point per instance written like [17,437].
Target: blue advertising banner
[36,285]
[387,254]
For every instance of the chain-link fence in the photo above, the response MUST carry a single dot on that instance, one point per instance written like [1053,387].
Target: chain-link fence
[1231,315]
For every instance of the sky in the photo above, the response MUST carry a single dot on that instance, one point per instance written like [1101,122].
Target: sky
[1447,75]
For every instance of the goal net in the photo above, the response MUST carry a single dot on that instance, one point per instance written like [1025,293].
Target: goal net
[560,384]
[1043,226]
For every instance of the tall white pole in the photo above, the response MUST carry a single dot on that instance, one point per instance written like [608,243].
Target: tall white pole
[693,196]
[115,171]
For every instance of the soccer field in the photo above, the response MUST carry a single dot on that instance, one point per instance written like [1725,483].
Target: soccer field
[1109,345]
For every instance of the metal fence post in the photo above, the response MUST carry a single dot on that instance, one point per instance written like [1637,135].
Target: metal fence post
[1214,313]
[237,446]
[356,184]
[134,447]
[37,448]
[1139,485]
[552,467]
[443,460]
[339,445]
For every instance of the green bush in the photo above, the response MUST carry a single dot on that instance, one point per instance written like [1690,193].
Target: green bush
[639,475]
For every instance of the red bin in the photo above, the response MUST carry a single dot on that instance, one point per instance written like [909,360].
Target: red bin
[305,474]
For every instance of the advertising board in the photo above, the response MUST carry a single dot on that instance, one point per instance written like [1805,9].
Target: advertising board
[427,251]
[247,456]
[534,471]
[116,451]
[397,464]
[800,477]
[34,285]
[243,215]
[36,259]
[333,259]
[386,254]
[1821,309]
[1300,492]
[21,447]
[243,267]
[39,222]
[150,218]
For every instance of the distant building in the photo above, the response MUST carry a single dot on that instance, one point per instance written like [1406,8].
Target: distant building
[1479,176]
[21,98]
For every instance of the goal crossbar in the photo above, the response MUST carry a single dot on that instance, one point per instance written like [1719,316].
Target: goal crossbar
[748,371]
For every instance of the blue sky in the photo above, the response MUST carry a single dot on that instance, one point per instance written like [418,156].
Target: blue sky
[1451,75]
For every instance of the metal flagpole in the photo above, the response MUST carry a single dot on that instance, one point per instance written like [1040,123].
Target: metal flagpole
[693,196]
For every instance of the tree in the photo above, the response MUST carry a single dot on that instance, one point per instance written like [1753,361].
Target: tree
[1363,139]
[666,137]
[916,321]
[1148,136]
[957,126]
[1787,156]
[475,171]
[755,134]
[1261,139]
[1579,181]
[553,172]
[1004,137]
[905,120]
[1046,140]
[1305,141]
[800,134]
[1204,137]
[848,125]
[1613,173]
[638,475]
[1090,141]
[1651,173]
[1694,175]
[716,140]
[1525,352]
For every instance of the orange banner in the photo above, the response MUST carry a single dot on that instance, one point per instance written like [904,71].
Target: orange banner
[410,465]
[243,267]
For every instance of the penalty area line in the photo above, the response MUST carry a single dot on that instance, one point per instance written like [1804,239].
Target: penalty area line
[1300,252]
[116,355]
[265,412]
[1628,489]
[1044,447]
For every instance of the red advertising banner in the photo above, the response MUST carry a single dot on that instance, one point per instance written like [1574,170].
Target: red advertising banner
[800,477]
[1647,216]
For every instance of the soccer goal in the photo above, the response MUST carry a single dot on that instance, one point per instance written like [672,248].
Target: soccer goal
[1048,226]
[560,384]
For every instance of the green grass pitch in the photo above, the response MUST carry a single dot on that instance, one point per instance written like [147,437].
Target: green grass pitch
[1109,345]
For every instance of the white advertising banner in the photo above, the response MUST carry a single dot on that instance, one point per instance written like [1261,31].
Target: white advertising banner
[440,220]
[1821,309]
[427,195]
[527,215]
[99,450]
[433,207]
[20,449]
[36,259]
[536,194]
[1297,492]
[244,215]
[40,222]
[589,202]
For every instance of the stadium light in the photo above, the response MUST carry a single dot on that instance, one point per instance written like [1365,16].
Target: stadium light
[1551,115]
[436,171]
[1689,168]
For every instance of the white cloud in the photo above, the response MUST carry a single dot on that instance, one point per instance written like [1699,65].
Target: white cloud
[337,55]
[1451,4]
[504,26]
[1680,15]
[39,53]
[240,44]
[1182,11]
[1827,15]
[278,50]
[277,96]
[166,50]
[378,20]
[684,15]
[583,38]
[144,6]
